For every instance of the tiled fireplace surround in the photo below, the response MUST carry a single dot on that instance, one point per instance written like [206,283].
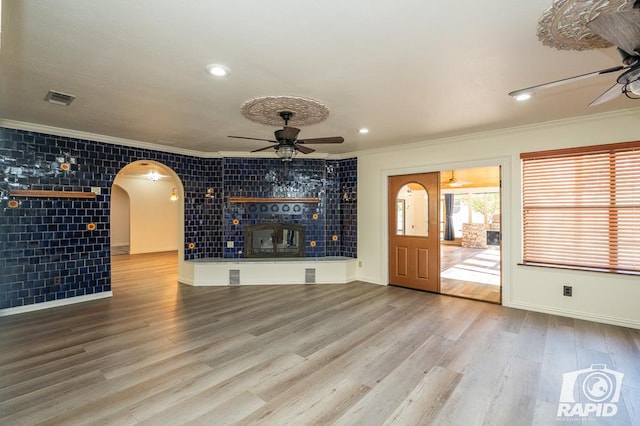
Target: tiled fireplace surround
[48,253]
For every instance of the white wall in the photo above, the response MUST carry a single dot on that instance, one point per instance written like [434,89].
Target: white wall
[119,217]
[601,297]
[154,218]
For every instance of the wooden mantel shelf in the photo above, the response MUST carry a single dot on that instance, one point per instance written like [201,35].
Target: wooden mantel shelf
[51,194]
[272,200]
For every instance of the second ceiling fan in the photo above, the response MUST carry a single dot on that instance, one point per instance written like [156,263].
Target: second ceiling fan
[621,28]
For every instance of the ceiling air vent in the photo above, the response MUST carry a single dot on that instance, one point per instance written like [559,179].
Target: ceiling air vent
[59,98]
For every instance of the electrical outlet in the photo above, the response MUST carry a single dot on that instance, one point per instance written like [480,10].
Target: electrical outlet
[567,290]
[56,280]
[359,263]
[229,244]
[96,190]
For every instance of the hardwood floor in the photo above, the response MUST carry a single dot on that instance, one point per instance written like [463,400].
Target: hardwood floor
[160,353]
[470,272]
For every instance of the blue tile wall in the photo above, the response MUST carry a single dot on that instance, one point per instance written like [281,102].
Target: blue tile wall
[47,253]
[271,178]
[302,178]
[348,207]
[334,199]
[209,239]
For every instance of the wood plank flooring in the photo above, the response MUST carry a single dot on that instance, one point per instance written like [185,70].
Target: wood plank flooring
[160,353]
[455,256]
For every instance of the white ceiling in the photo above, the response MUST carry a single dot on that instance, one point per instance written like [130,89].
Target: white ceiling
[410,70]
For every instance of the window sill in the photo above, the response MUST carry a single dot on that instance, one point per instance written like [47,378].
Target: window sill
[580,268]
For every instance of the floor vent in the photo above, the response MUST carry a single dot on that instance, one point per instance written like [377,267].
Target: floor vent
[310,276]
[59,98]
[234,276]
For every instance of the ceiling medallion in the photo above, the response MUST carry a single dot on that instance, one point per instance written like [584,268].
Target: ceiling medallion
[267,109]
[564,24]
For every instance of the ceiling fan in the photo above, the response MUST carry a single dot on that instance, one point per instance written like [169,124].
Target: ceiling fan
[453,182]
[287,140]
[623,30]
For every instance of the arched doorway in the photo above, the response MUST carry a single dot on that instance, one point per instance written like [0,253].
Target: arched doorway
[120,220]
[155,197]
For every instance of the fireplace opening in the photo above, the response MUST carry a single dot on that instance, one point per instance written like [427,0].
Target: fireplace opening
[274,240]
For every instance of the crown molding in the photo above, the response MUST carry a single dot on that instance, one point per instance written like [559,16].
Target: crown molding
[630,112]
[228,154]
[241,154]
[344,156]
[77,134]
[312,156]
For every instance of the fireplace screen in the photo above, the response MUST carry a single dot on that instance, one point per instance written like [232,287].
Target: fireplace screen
[274,240]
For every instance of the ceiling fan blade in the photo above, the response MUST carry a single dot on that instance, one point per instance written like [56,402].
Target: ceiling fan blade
[335,139]
[620,28]
[611,93]
[253,139]
[265,148]
[564,81]
[304,149]
[290,133]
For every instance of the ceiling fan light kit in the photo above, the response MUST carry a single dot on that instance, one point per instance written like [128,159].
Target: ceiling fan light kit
[632,90]
[592,24]
[286,153]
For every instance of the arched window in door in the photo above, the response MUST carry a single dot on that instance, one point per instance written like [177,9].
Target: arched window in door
[412,214]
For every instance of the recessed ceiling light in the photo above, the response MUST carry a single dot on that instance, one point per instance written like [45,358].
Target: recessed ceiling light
[522,97]
[363,131]
[218,70]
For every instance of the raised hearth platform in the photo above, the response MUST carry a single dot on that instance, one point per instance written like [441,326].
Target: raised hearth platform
[268,271]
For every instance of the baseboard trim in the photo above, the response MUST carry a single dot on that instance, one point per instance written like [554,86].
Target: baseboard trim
[622,322]
[185,280]
[54,303]
[370,280]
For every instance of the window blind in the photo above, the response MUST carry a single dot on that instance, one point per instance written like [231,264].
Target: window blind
[581,207]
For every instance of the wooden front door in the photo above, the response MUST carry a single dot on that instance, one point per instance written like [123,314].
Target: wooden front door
[414,236]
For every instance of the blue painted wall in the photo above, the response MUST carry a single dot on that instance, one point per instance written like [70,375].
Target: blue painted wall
[47,252]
